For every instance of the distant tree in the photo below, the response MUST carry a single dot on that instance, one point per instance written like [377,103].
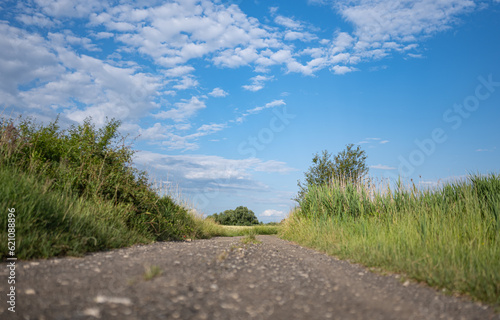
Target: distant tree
[241,216]
[348,165]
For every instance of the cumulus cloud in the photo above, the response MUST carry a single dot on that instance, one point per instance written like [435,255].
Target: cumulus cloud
[77,85]
[182,110]
[271,213]
[179,71]
[257,83]
[178,136]
[342,69]
[218,92]
[288,22]
[58,66]
[198,171]
[401,21]
[302,36]
[381,27]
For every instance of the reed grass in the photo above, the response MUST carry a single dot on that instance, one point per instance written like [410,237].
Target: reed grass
[447,237]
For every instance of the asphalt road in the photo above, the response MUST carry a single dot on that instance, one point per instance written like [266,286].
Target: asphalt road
[221,279]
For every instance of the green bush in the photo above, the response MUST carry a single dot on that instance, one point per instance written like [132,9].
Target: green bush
[95,166]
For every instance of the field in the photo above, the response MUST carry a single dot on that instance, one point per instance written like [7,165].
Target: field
[215,229]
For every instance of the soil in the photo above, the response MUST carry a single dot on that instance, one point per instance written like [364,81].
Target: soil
[221,278]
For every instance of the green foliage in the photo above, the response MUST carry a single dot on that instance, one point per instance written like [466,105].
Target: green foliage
[348,166]
[51,222]
[241,216]
[95,166]
[448,237]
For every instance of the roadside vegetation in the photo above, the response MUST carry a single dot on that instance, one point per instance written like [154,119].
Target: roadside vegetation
[447,237]
[76,191]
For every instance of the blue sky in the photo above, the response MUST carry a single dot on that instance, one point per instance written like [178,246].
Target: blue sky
[229,100]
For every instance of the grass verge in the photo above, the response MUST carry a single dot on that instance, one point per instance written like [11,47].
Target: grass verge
[76,191]
[448,238]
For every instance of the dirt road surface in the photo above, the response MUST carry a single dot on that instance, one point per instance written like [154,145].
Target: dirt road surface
[221,279]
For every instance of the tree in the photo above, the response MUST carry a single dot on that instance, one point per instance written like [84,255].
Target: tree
[241,216]
[348,166]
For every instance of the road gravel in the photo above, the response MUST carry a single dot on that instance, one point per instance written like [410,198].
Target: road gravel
[221,278]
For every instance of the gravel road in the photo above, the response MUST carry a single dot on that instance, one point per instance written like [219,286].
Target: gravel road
[221,279]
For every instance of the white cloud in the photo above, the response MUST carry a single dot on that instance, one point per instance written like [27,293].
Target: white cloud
[186,82]
[211,128]
[273,213]
[199,171]
[103,35]
[257,83]
[416,56]
[400,22]
[54,70]
[272,104]
[218,92]
[382,27]
[76,85]
[342,69]
[274,166]
[179,71]
[384,141]
[302,36]
[486,150]
[67,38]
[342,41]
[35,19]
[273,10]
[382,167]
[70,8]
[24,58]
[288,22]
[182,110]
[175,136]
[175,32]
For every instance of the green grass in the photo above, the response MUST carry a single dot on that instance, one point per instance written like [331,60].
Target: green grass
[235,231]
[57,222]
[151,272]
[76,191]
[250,239]
[448,237]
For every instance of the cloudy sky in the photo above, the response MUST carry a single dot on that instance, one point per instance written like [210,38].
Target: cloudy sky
[229,100]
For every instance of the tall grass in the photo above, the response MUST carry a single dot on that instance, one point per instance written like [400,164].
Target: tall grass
[58,222]
[76,190]
[447,237]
